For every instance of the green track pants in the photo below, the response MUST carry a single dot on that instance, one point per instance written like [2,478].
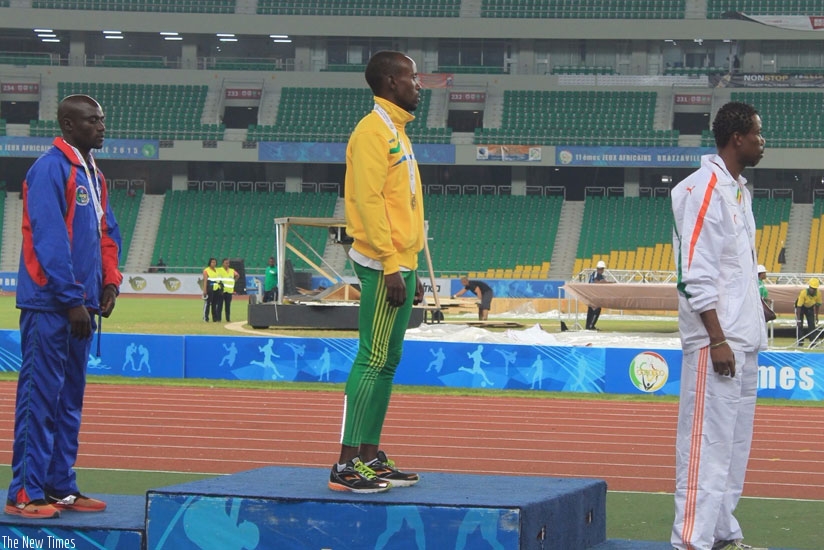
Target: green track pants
[381,329]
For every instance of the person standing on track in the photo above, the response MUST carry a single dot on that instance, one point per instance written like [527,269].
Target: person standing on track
[722,328]
[68,272]
[384,216]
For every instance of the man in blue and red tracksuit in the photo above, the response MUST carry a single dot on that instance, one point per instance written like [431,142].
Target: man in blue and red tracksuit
[68,272]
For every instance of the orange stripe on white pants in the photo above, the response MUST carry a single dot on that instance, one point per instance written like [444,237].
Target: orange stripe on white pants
[712,448]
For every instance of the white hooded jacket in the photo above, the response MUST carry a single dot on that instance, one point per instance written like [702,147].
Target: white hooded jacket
[714,247]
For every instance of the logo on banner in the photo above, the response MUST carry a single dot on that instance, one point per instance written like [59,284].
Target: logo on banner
[565,157]
[137,283]
[172,284]
[648,371]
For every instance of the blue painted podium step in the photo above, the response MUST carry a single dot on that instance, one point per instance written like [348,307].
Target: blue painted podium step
[285,508]
[120,527]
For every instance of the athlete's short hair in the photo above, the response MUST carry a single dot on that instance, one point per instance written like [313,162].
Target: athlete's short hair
[732,117]
[384,63]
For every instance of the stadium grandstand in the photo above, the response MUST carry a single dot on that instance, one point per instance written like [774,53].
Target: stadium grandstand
[549,134]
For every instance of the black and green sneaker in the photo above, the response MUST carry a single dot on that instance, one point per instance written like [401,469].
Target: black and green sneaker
[356,477]
[385,469]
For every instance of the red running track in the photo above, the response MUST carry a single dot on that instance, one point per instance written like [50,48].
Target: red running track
[630,445]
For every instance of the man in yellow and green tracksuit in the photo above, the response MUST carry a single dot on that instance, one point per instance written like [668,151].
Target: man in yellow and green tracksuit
[384,216]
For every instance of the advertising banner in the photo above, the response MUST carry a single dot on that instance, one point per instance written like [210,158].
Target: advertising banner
[277,359]
[586,369]
[283,151]
[436,80]
[138,356]
[121,354]
[516,288]
[443,287]
[768,80]
[180,284]
[162,283]
[639,371]
[680,157]
[508,153]
[120,149]
[781,375]
[503,366]
[791,22]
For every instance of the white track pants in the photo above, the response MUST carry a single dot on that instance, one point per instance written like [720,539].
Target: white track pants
[715,423]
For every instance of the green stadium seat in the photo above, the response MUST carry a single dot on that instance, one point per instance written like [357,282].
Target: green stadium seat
[366,8]
[196,225]
[592,9]
[304,116]
[174,6]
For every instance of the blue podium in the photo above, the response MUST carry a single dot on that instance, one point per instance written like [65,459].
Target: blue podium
[288,508]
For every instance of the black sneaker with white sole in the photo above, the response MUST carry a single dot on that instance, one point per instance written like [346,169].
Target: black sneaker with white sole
[356,477]
[385,469]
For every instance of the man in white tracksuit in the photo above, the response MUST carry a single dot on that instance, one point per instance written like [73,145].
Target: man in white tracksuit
[722,329]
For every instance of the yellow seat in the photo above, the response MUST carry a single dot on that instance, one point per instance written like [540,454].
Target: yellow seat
[668,260]
[630,261]
[646,258]
[621,260]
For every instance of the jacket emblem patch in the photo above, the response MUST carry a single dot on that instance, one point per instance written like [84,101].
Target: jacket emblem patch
[82,196]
